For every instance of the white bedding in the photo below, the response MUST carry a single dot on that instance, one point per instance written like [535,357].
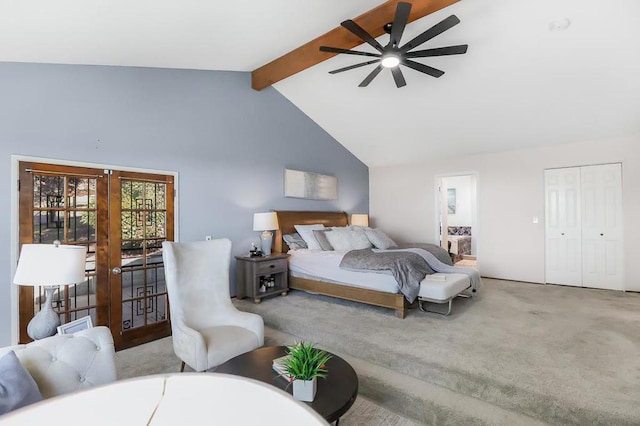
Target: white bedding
[324,266]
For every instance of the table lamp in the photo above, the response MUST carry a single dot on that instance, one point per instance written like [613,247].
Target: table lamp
[49,265]
[359,219]
[265,222]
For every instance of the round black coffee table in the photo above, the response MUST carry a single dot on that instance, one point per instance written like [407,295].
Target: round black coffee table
[336,393]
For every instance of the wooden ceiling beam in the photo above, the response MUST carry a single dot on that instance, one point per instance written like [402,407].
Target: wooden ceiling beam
[309,54]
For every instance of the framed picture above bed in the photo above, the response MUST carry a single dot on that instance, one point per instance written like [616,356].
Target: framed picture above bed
[309,185]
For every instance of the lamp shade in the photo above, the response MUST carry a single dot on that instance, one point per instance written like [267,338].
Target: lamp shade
[360,219]
[50,265]
[265,221]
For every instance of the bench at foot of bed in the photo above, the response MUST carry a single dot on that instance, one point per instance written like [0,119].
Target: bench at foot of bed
[442,288]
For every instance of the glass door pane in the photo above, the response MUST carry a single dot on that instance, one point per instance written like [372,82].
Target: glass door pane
[144,206]
[64,206]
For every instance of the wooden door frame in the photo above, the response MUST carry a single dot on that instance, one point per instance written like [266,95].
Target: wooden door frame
[15,215]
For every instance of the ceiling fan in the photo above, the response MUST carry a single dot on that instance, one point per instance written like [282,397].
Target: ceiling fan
[393,55]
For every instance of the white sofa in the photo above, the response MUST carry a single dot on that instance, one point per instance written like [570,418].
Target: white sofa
[64,363]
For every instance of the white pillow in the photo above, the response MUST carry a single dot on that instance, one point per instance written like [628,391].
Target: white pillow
[344,239]
[379,239]
[294,241]
[306,232]
[359,239]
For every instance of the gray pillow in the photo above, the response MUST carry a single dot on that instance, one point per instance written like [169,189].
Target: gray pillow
[294,241]
[322,239]
[17,387]
[379,239]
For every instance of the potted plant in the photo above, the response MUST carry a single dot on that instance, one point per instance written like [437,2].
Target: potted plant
[304,363]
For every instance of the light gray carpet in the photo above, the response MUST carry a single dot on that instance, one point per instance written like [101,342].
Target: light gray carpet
[157,357]
[561,355]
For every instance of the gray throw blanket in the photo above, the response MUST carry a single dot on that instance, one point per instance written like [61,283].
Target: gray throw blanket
[441,254]
[408,267]
[473,274]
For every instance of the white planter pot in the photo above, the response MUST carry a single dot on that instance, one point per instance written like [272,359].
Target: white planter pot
[305,390]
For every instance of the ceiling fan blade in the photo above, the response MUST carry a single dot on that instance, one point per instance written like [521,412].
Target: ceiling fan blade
[350,67]
[347,51]
[398,77]
[360,32]
[440,51]
[438,28]
[433,72]
[371,76]
[399,22]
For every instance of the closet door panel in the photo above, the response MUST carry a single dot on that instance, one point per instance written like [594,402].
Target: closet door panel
[602,226]
[563,219]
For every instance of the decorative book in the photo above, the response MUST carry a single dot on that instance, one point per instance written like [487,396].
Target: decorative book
[436,277]
[279,367]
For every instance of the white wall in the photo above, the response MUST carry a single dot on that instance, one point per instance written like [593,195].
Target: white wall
[510,193]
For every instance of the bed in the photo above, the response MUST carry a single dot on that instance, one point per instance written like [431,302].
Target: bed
[459,241]
[287,220]
[460,244]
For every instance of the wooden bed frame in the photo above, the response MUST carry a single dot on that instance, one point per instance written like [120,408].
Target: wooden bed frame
[287,220]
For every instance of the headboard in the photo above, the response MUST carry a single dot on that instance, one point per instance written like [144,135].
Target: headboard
[288,218]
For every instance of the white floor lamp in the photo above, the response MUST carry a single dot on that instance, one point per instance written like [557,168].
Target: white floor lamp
[49,265]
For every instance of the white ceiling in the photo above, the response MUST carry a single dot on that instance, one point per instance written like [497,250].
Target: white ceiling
[519,85]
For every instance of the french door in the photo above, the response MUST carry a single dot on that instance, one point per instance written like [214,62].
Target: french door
[122,218]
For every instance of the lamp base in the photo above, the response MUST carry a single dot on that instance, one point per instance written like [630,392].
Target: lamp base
[266,240]
[45,323]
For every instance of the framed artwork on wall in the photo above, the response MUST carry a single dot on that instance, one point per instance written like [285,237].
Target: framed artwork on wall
[451,201]
[309,185]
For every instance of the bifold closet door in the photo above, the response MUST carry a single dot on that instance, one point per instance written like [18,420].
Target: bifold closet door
[563,254]
[584,226]
[602,226]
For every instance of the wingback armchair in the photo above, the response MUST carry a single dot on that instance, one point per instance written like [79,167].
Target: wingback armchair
[207,328]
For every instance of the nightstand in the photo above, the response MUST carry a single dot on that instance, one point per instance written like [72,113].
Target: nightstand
[259,277]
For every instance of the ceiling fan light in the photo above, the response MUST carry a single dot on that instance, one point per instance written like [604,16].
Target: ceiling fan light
[390,61]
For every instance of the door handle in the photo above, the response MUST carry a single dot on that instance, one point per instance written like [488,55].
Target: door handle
[116,271]
[562,233]
[602,235]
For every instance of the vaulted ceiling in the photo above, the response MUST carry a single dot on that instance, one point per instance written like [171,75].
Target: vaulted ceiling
[521,83]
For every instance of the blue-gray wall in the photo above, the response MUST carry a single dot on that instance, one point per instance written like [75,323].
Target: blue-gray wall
[229,144]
